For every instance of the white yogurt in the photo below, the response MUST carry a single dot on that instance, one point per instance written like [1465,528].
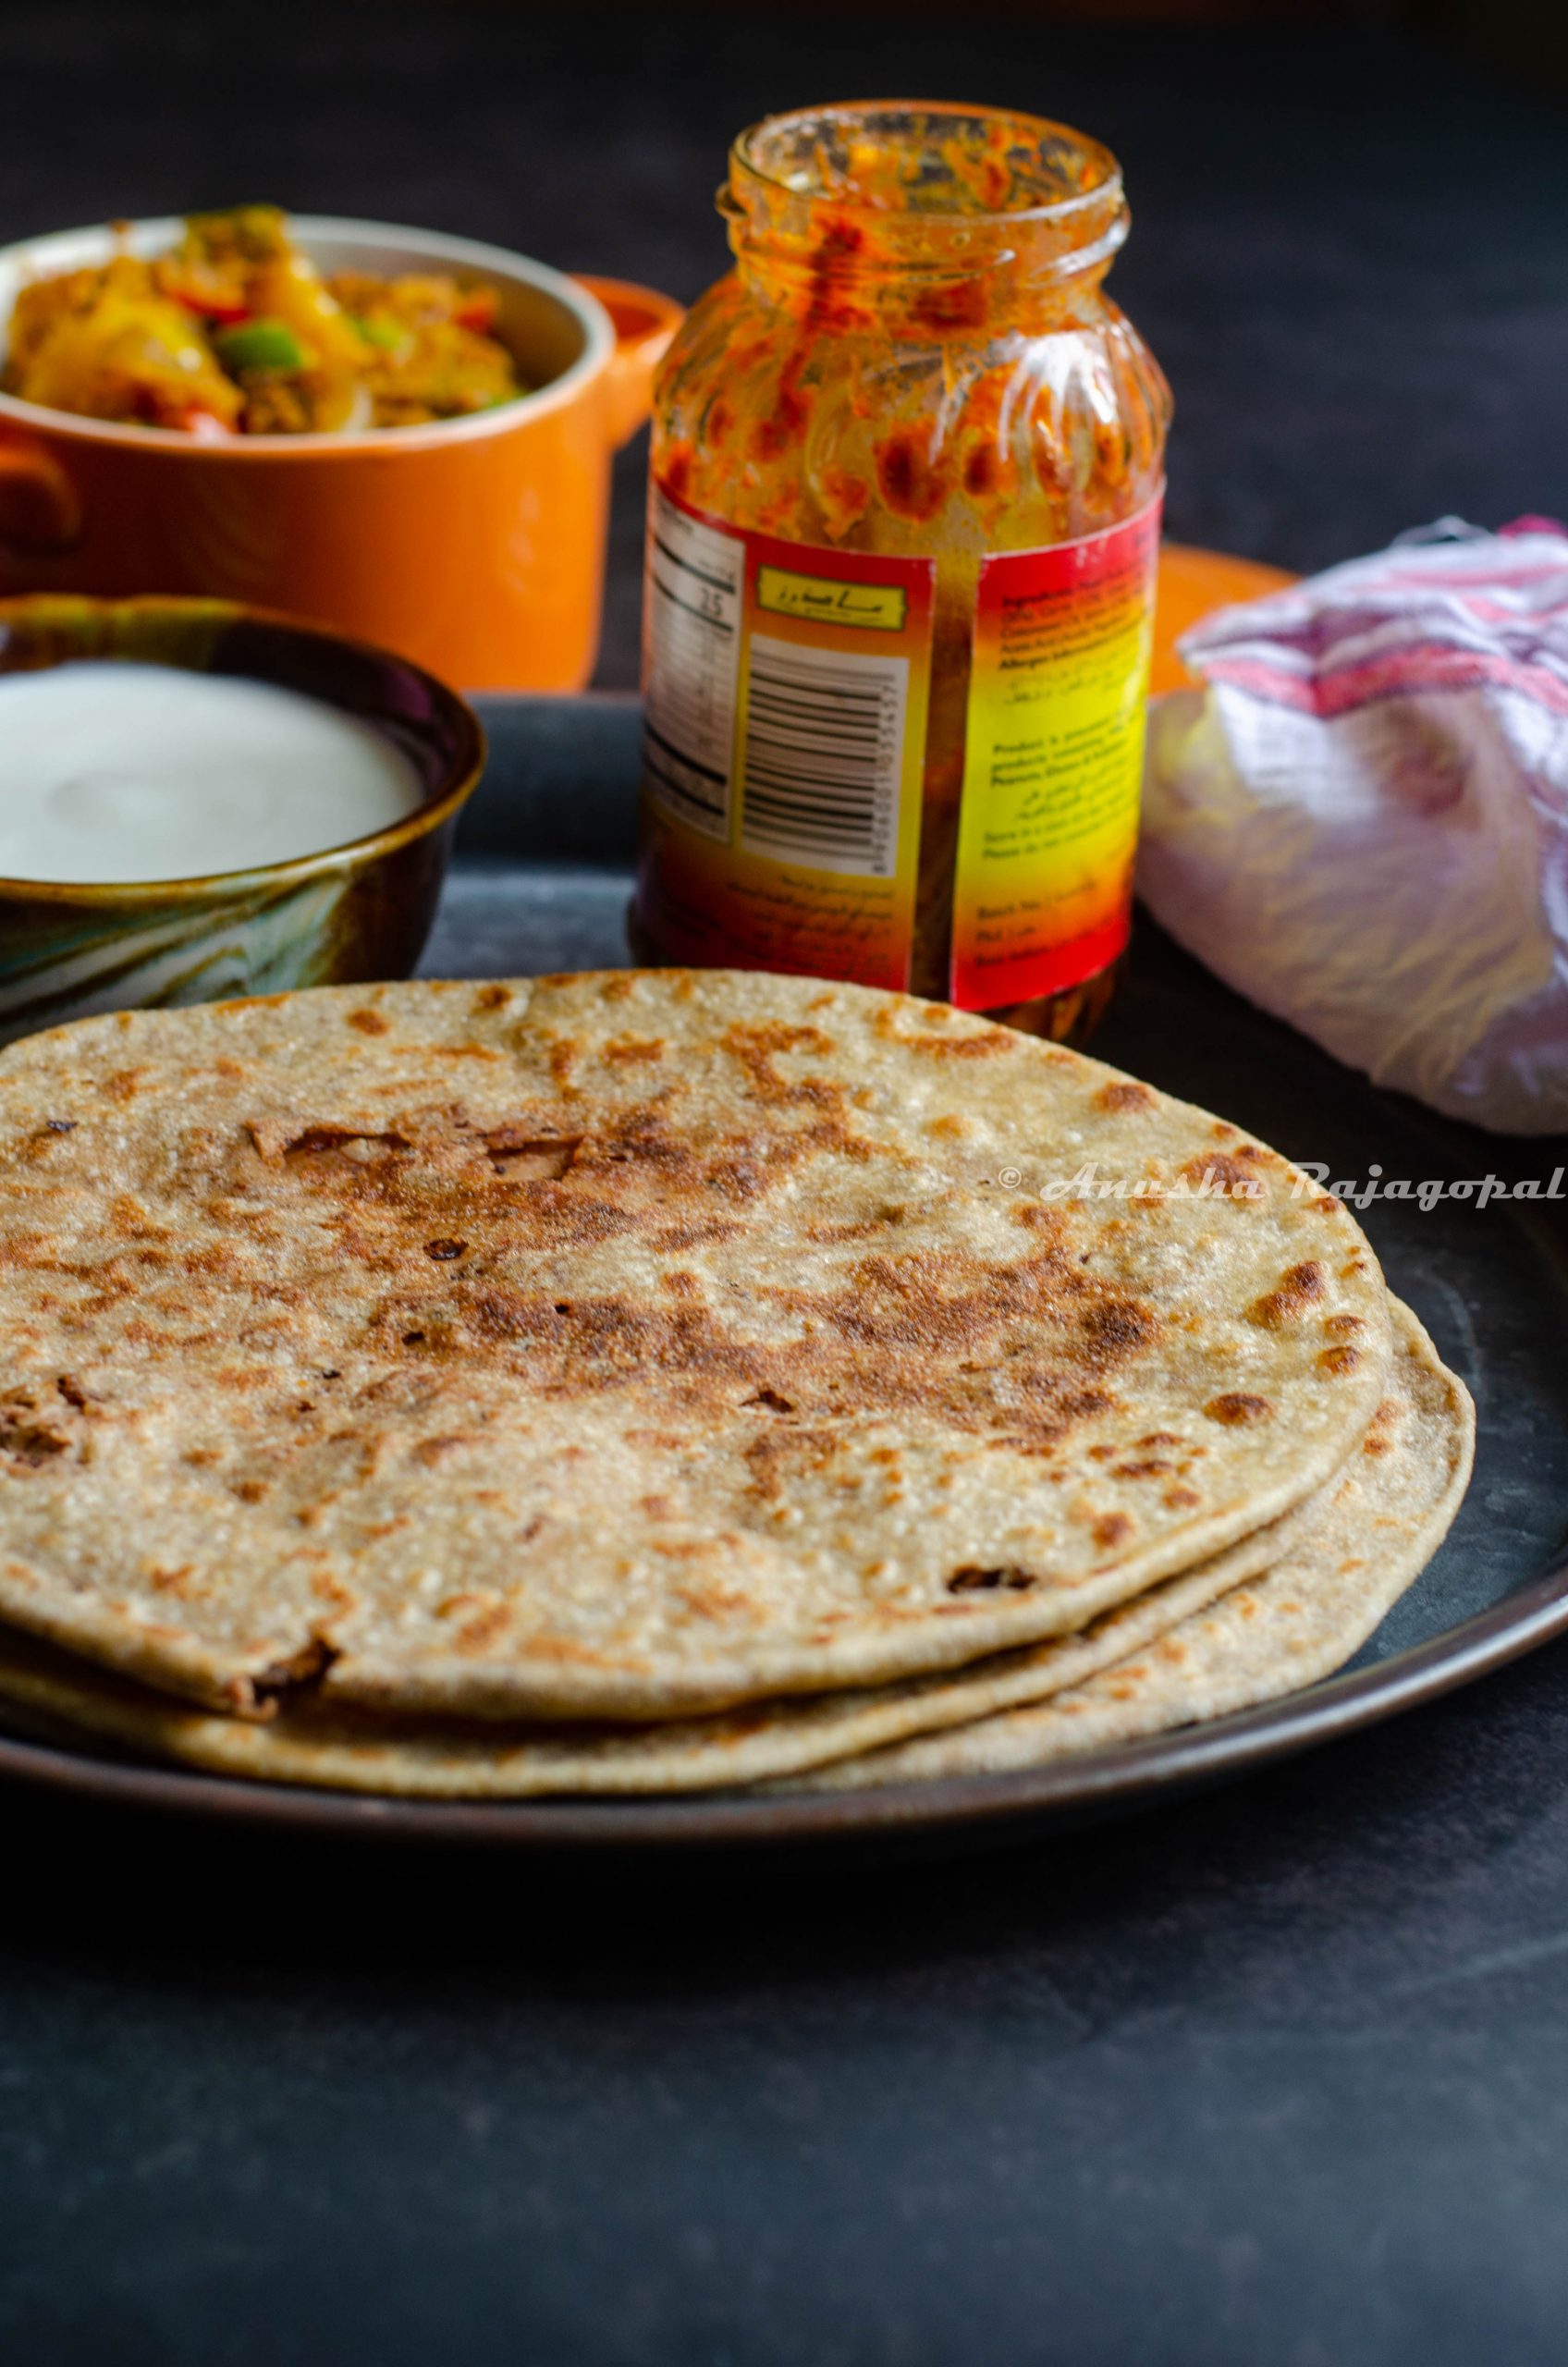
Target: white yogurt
[116,772]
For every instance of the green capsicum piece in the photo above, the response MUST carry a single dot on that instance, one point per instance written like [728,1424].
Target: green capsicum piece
[259,345]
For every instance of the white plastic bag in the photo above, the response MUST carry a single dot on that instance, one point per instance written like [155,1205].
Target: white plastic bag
[1362,821]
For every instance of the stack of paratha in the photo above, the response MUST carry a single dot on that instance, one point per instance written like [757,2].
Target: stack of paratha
[652,1381]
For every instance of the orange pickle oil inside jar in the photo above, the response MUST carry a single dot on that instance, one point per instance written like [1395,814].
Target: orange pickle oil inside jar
[903,522]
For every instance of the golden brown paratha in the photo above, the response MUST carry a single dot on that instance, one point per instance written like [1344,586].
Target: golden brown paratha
[1379,1526]
[634,1343]
[1334,1565]
[308,1741]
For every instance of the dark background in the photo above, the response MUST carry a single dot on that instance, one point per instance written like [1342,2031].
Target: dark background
[1350,239]
[1277,2079]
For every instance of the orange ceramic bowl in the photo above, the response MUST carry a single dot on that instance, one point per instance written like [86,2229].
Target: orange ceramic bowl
[475,546]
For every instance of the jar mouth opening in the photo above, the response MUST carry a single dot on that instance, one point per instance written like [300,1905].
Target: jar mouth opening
[939,161]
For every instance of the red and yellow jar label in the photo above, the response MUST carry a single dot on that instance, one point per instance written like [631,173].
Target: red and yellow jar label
[787,689]
[1053,765]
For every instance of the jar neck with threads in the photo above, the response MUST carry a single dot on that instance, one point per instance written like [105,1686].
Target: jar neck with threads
[923,222]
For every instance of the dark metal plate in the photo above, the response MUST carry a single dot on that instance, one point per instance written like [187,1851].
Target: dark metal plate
[540,883]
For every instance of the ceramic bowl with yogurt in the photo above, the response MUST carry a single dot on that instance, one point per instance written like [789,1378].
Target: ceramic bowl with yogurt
[200,800]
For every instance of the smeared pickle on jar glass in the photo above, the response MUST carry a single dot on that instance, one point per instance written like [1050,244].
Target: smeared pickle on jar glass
[906,475]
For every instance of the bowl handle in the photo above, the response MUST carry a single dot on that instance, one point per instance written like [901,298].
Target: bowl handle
[644,322]
[40,507]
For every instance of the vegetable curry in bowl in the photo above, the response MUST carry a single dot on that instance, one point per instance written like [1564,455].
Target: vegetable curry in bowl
[234,332]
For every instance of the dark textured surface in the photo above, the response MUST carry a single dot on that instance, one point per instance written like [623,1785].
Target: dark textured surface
[1280,2076]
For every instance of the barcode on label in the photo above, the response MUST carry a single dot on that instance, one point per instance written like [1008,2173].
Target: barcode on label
[693,611]
[824,756]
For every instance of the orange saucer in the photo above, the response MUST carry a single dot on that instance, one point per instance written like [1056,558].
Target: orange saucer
[1191,583]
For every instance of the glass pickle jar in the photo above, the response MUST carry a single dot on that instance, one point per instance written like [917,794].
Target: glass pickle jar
[906,475]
